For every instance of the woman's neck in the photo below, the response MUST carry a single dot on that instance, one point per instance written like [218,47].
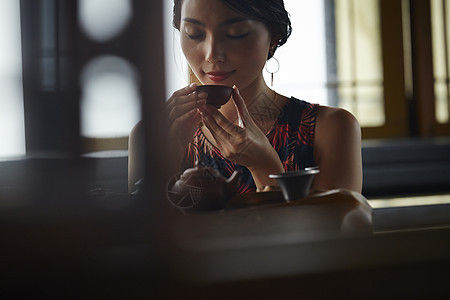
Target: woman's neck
[253,91]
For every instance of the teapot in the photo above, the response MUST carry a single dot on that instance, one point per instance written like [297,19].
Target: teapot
[203,189]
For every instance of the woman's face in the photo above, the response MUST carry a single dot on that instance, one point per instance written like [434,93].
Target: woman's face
[222,46]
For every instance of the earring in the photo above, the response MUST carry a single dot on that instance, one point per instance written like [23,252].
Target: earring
[272,66]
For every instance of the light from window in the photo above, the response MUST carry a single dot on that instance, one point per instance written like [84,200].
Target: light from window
[101,20]
[110,104]
[359,60]
[302,59]
[176,67]
[440,13]
[12,131]
[350,75]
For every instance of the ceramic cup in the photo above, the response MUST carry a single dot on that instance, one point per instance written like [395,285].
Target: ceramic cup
[218,95]
[295,184]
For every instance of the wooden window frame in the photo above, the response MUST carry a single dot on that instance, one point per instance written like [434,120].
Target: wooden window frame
[396,112]
[424,95]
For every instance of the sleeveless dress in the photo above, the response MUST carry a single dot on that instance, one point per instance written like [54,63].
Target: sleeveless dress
[292,136]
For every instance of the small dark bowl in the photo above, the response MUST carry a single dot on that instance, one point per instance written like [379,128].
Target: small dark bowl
[296,184]
[218,95]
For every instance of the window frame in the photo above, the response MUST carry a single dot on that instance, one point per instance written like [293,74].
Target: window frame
[424,100]
[51,110]
[396,116]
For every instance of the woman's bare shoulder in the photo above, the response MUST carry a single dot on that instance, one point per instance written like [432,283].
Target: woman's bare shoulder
[337,122]
[334,115]
[337,150]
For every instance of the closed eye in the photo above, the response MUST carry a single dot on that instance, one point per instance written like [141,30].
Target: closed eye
[240,36]
[194,36]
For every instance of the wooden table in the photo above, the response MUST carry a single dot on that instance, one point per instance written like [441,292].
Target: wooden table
[267,219]
[320,246]
[259,247]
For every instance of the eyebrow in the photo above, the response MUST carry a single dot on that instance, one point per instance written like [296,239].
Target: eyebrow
[226,22]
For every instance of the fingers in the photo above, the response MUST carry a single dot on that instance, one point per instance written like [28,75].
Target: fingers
[229,137]
[183,101]
[219,122]
[181,96]
[192,117]
[183,92]
[217,131]
[241,108]
[181,109]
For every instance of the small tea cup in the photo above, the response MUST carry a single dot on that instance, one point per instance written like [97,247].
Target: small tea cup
[295,184]
[218,95]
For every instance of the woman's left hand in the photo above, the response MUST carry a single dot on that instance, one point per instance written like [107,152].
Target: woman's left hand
[243,143]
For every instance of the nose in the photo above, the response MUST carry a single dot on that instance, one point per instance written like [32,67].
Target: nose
[214,51]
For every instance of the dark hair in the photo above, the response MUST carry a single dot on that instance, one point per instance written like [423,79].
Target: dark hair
[270,12]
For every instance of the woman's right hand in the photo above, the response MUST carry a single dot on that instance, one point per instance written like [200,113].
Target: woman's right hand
[184,117]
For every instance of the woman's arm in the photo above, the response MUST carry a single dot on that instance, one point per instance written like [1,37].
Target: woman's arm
[337,150]
[184,117]
[136,155]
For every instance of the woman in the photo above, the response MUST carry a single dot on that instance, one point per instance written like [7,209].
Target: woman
[259,132]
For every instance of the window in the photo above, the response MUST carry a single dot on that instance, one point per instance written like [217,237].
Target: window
[333,57]
[177,72]
[430,65]
[440,17]
[359,60]
[12,132]
[110,101]
[303,70]
[355,55]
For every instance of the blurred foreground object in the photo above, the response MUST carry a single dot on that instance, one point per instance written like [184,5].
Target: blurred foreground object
[201,189]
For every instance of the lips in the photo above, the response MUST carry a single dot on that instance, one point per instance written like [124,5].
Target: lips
[218,76]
